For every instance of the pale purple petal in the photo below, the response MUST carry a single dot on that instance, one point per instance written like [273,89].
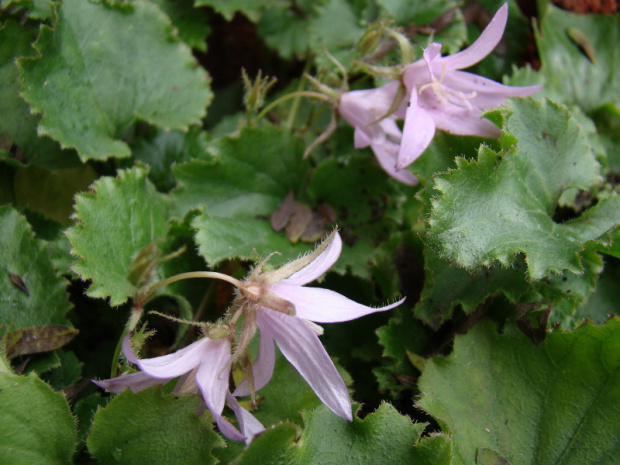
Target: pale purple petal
[171,365]
[418,133]
[135,381]
[227,429]
[248,423]
[318,266]
[363,107]
[432,53]
[464,122]
[483,92]
[415,76]
[361,139]
[324,306]
[302,348]
[484,45]
[386,154]
[263,366]
[212,375]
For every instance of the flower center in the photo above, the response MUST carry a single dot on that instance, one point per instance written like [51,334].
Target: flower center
[253,292]
[445,94]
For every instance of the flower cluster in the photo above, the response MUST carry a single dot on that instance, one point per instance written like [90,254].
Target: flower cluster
[277,304]
[437,95]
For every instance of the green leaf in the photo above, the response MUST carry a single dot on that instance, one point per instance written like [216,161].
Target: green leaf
[37,9]
[36,425]
[250,174]
[284,28]
[367,204]
[446,286]
[571,76]
[99,71]
[69,372]
[418,13]
[249,8]
[162,149]
[401,335]
[51,192]
[435,450]
[31,293]
[227,238]
[85,410]
[553,403]
[503,204]
[384,436]
[114,222]
[18,134]
[335,28]
[191,22]
[603,302]
[148,428]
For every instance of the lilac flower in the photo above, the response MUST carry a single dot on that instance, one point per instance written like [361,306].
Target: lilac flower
[203,366]
[439,96]
[365,110]
[442,97]
[276,303]
[285,313]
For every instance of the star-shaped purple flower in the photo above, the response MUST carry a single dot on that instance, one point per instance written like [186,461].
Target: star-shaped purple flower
[203,366]
[437,96]
[296,334]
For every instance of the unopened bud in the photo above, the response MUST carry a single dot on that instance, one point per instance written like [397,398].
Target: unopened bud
[256,91]
[371,39]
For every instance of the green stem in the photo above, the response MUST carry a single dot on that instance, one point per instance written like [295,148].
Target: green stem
[191,275]
[284,98]
[117,354]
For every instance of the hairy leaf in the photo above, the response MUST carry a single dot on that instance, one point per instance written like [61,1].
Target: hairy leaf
[100,70]
[227,238]
[191,22]
[572,74]
[250,174]
[382,437]
[553,403]
[31,293]
[36,425]
[250,8]
[18,134]
[114,222]
[503,204]
[147,428]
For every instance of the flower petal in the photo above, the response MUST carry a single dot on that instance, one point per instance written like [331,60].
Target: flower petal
[262,368]
[304,351]
[212,375]
[361,139]
[319,265]
[227,429]
[135,381]
[485,93]
[418,133]
[171,365]
[386,154]
[325,306]
[248,423]
[484,45]
[363,107]
[464,122]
